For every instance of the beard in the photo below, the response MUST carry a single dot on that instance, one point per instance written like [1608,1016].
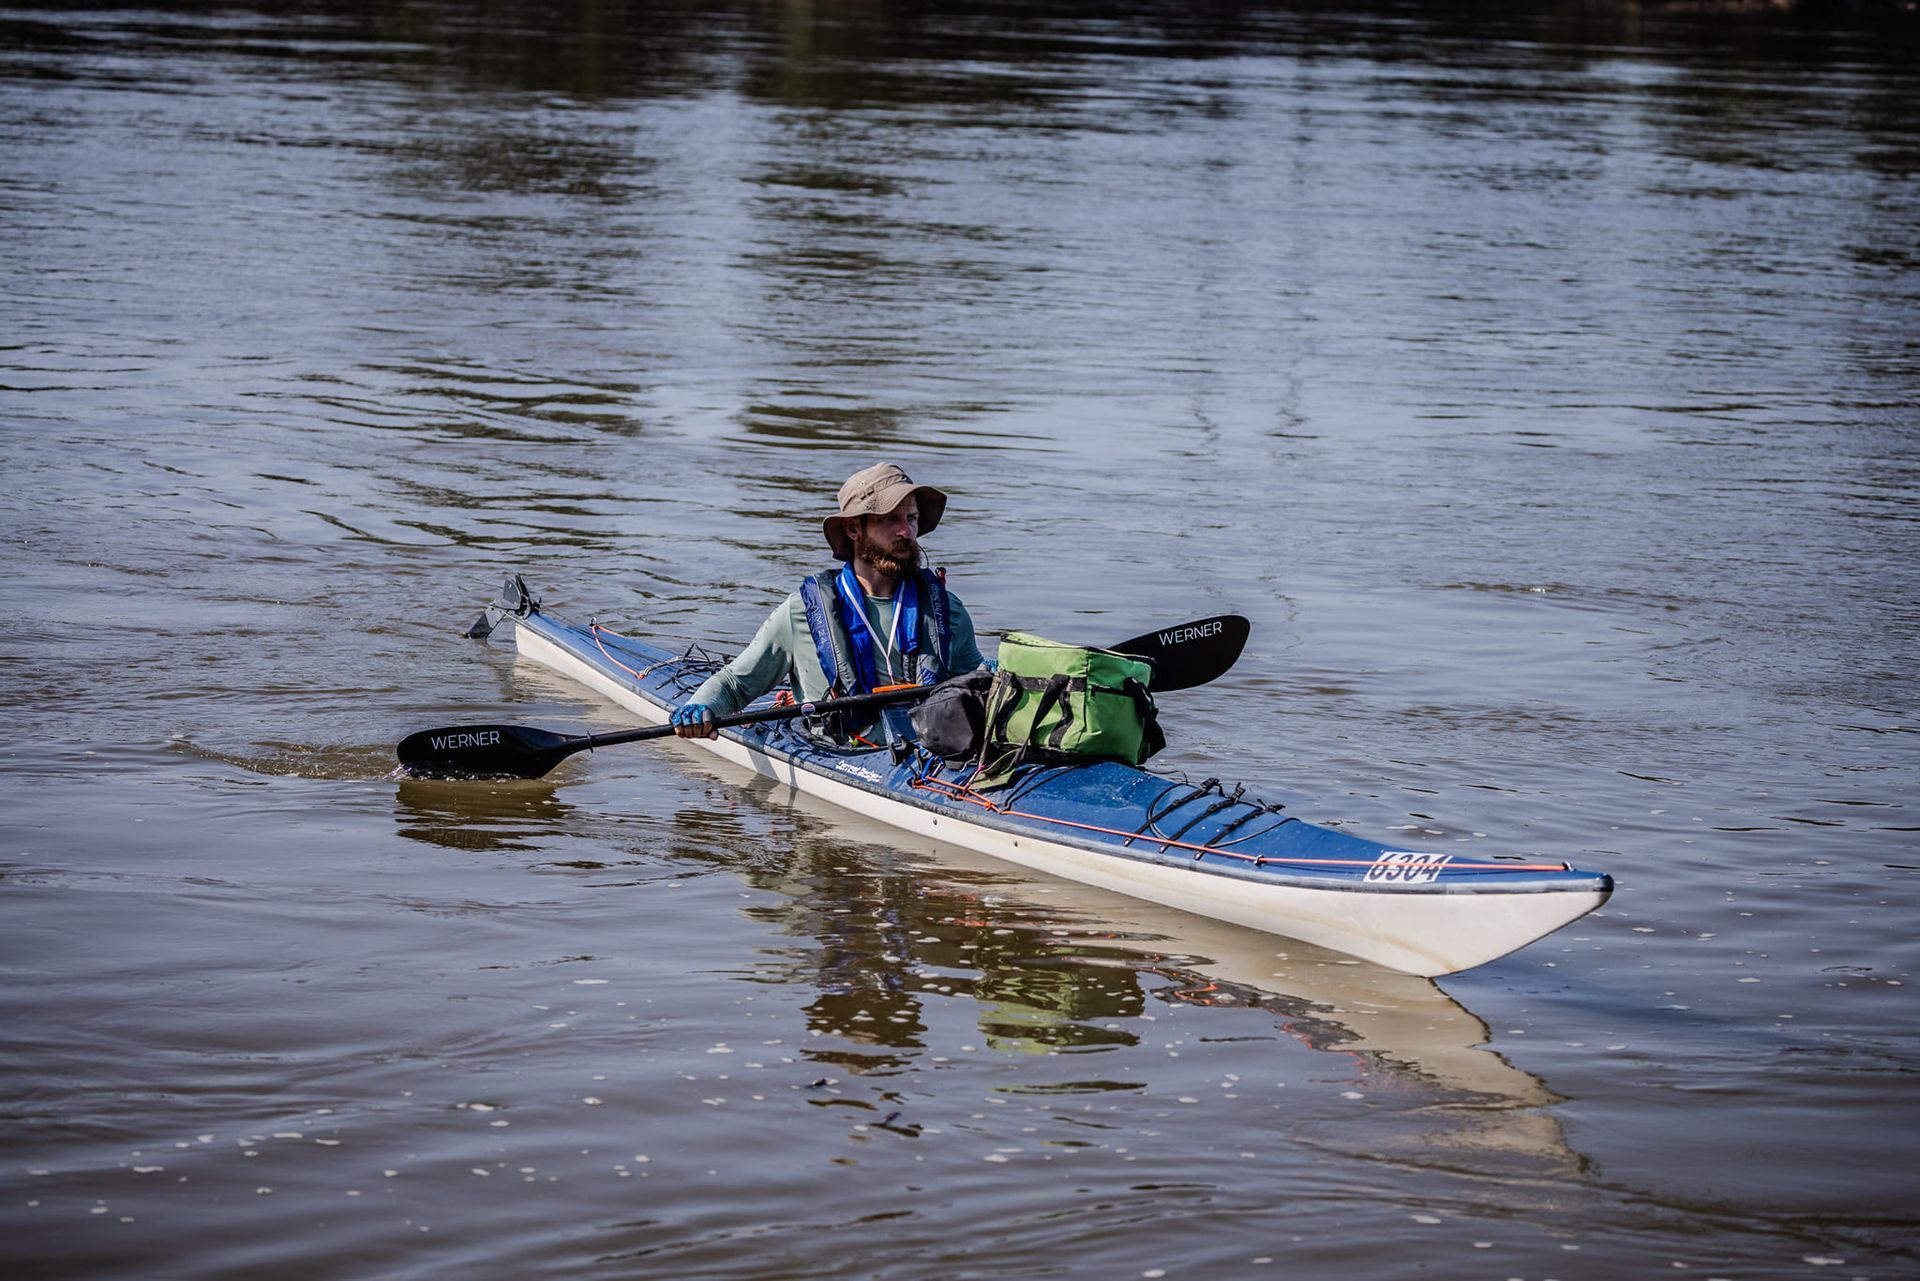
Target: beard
[895,560]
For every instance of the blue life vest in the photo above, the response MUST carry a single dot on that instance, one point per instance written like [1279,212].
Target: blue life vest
[845,646]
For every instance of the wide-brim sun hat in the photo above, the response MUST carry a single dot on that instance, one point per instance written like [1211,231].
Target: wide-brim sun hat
[874,492]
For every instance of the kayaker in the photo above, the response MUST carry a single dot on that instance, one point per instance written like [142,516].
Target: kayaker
[880,618]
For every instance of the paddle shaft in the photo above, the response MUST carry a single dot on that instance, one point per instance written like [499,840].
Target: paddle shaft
[886,697]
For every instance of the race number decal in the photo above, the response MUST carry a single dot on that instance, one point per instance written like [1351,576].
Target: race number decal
[1407,868]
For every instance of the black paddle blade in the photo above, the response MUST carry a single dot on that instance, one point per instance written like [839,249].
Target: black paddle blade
[485,751]
[1193,653]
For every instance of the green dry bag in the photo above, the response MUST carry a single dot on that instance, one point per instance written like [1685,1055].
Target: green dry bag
[1062,704]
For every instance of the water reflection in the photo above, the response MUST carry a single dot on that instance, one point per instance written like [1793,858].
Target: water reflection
[892,952]
[487,818]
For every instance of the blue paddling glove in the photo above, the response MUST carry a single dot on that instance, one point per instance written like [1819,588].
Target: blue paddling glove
[694,720]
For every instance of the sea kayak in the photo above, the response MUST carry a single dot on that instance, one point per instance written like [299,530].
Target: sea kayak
[1199,847]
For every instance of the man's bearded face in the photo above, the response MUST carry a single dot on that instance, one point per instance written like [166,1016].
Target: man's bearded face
[887,543]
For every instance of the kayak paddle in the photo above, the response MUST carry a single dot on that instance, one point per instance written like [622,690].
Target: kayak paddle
[1184,656]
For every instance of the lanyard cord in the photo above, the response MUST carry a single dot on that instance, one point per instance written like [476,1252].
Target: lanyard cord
[888,646]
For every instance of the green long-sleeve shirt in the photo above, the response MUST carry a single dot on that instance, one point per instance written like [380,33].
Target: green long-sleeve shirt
[784,644]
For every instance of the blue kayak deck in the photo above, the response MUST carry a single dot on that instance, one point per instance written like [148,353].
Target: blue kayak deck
[1104,806]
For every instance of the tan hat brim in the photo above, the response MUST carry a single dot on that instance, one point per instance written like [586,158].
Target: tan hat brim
[837,528]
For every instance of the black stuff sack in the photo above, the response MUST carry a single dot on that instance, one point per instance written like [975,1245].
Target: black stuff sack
[950,721]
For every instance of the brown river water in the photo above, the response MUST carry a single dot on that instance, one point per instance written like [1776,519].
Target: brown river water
[1541,380]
